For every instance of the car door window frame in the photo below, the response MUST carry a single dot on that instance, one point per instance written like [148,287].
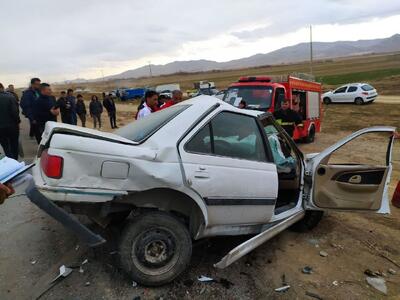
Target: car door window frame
[267,150]
[345,89]
[352,86]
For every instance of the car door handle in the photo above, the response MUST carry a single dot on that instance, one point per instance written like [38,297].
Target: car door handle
[201,174]
[201,168]
[355,179]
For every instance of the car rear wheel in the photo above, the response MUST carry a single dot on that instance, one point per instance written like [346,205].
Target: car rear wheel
[327,100]
[155,248]
[311,135]
[359,101]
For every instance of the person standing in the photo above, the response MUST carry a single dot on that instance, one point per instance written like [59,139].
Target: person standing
[95,110]
[109,105]
[287,117]
[44,110]
[9,124]
[147,107]
[177,97]
[65,108]
[27,103]
[11,90]
[71,98]
[81,109]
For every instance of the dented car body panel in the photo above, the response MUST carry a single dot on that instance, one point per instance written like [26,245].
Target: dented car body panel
[226,171]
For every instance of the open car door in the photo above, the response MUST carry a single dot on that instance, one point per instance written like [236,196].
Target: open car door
[352,174]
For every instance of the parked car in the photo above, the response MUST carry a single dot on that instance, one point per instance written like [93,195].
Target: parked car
[358,93]
[200,168]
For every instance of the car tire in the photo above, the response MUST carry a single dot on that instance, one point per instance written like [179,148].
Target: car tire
[155,248]
[327,100]
[359,101]
[311,135]
[310,221]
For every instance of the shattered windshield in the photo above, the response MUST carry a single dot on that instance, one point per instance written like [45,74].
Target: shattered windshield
[143,128]
[256,97]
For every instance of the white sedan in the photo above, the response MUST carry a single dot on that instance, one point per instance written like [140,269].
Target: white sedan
[358,93]
[198,169]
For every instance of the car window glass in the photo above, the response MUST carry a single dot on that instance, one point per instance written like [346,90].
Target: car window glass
[367,87]
[237,136]
[282,153]
[366,149]
[352,89]
[143,128]
[233,135]
[201,142]
[341,90]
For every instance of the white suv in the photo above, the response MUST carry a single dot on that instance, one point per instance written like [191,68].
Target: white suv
[358,93]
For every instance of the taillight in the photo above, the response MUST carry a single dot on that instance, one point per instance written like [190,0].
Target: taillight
[365,93]
[51,165]
[396,196]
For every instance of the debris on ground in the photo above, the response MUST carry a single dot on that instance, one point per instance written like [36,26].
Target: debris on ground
[87,283]
[337,246]
[371,273]
[81,270]
[282,288]
[203,278]
[134,284]
[335,283]
[391,271]
[33,262]
[307,270]
[63,272]
[323,253]
[313,295]
[378,284]
[85,262]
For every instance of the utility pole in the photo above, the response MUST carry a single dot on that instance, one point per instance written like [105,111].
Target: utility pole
[311,52]
[102,74]
[151,74]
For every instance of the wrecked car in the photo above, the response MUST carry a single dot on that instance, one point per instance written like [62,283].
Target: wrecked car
[201,168]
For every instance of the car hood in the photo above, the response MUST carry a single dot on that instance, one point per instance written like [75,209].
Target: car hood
[54,127]
[327,93]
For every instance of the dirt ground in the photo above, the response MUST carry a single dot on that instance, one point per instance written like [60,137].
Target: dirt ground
[33,246]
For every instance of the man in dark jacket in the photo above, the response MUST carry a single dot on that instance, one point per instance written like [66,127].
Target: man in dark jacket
[96,109]
[71,98]
[109,105]
[11,90]
[287,117]
[27,103]
[44,110]
[65,108]
[81,109]
[9,124]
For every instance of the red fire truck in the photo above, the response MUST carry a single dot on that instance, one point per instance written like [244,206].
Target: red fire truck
[266,93]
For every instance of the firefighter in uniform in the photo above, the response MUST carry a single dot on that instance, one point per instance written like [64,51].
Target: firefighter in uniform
[287,117]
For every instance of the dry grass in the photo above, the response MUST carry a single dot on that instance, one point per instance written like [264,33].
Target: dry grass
[382,70]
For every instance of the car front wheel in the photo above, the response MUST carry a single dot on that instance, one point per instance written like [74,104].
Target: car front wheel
[327,100]
[155,248]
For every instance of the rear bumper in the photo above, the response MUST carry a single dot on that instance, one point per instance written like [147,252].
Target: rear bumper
[85,234]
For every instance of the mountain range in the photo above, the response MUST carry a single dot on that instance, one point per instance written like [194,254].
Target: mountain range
[291,54]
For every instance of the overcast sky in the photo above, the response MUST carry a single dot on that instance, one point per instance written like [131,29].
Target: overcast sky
[58,39]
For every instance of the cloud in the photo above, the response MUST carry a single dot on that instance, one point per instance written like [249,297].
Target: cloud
[64,39]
